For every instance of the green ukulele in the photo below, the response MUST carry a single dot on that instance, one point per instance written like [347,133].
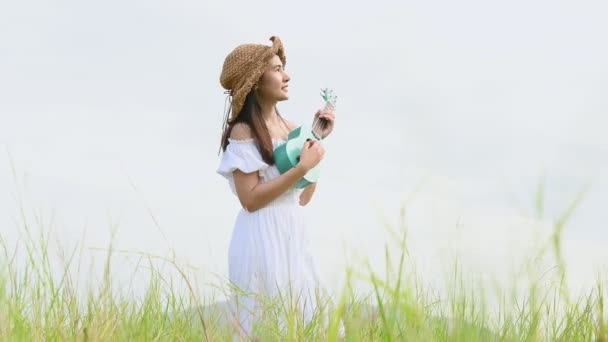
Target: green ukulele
[287,155]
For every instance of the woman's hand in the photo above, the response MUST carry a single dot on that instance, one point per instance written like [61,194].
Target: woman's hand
[311,155]
[326,123]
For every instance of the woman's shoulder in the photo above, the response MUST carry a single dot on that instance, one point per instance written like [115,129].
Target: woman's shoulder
[241,131]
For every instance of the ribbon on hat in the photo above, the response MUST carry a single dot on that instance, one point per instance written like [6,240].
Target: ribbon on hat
[227,112]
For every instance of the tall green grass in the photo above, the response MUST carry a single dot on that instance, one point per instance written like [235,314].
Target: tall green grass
[40,300]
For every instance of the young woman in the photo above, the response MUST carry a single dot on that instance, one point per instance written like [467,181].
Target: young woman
[269,251]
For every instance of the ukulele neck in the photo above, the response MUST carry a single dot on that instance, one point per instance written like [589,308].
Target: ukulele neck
[319,125]
[328,107]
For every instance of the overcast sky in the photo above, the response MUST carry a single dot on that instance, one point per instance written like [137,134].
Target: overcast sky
[111,110]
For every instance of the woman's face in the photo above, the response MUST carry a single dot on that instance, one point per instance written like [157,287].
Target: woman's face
[272,85]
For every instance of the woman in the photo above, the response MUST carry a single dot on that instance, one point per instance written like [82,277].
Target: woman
[269,254]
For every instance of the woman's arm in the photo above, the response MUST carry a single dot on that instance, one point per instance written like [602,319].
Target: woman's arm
[306,195]
[254,195]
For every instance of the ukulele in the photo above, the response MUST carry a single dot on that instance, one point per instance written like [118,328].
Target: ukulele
[287,155]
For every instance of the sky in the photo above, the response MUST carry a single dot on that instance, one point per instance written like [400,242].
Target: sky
[111,114]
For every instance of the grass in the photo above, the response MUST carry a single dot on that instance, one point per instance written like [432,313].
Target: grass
[40,300]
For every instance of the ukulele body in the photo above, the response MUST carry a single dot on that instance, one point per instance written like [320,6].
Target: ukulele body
[287,155]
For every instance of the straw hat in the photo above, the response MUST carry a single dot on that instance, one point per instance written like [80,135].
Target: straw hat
[244,66]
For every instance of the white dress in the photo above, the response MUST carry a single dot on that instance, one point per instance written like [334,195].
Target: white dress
[269,248]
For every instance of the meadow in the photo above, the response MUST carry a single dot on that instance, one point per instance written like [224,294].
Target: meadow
[40,300]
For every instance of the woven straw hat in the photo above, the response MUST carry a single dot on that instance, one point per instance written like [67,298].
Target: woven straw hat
[244,66]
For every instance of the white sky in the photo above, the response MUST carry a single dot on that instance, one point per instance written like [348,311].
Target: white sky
[479,99]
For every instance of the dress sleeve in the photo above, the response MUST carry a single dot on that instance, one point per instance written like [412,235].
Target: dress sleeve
[243,155]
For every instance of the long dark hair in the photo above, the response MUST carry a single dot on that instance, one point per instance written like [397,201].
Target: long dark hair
[251,115]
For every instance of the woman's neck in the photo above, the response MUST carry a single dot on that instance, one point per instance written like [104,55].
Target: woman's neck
[269,112]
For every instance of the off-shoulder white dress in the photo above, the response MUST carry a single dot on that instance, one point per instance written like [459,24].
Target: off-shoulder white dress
[269,250]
